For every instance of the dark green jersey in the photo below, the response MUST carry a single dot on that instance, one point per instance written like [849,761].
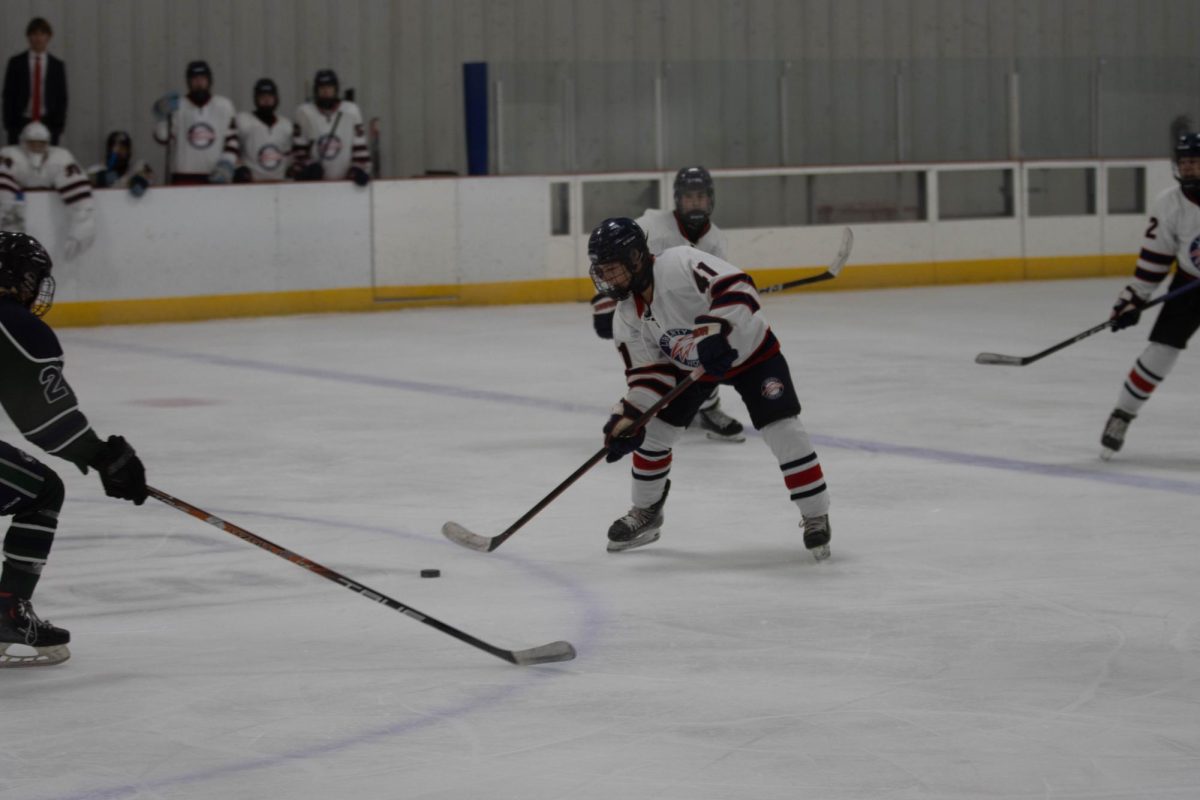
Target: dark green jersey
[33,390]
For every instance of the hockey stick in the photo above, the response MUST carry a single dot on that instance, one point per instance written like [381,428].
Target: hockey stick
[830,272]
[555,651]
[1020,361]
[485,544]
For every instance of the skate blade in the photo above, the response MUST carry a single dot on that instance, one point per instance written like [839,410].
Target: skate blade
[718,437]
[1106,454]
[820,552]
[649,537]
[41,657]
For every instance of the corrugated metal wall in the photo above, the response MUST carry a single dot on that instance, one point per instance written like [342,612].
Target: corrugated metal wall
[745,82]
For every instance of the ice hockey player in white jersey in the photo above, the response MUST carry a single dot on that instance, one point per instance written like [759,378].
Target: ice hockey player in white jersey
[688,224]
[119,169]
[323,127]
[34,163]
[1172,237]
[199,129]
[676,311]
[266,138]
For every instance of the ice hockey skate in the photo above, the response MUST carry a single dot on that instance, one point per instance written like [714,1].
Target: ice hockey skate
[639,527]
[26,640]
[1113,437]
[718,425]
[817,531]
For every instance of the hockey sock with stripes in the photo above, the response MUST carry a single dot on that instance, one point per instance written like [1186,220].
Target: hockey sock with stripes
[799,464]
[652,462]
[1150,369]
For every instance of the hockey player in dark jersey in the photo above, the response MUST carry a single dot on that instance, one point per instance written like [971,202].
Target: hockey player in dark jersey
[44,408]
[675,311]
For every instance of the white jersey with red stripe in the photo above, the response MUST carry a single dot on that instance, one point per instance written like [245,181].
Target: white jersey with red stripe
[691,289]
[663,230]
[266,150]
[57,170]
[1172,236]
[314,143]
[201,137]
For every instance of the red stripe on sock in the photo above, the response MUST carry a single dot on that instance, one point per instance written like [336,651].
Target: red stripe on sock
[804,477]
[1140,382]
[641,462]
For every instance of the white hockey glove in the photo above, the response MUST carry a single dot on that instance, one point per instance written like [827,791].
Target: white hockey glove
[81,234]
[12,217]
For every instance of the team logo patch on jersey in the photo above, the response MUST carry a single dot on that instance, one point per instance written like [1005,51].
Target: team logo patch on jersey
[679,346]
[201,136]
[328,148]
[1194,252]
[773,388]
[269,157]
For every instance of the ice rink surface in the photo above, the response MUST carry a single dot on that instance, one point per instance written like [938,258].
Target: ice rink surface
[1004,616]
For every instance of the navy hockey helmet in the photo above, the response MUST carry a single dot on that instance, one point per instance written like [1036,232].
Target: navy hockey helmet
[325,77]
[1188,146]
[25,271]
[266,86]
[619,241]
[694,179]
[195,68]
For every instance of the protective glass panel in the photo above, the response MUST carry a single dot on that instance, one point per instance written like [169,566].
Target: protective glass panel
[1127,190]
[604,199]
[975,193]
[1062,192]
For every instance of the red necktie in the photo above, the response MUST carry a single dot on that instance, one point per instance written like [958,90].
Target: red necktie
[36,105]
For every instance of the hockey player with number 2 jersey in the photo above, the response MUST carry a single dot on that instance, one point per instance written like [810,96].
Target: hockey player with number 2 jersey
[1172,237]
[675,311]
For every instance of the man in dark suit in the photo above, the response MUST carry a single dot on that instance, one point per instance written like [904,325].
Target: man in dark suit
[35,86]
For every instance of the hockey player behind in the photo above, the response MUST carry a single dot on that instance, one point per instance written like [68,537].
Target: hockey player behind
[119,170]
[688,224]
[34,163]
[675,311]
[42,405]
[199,129]
[1172,236]
[322,129]
[266,139]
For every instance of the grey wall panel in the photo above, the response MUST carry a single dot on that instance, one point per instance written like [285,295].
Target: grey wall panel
[580,73]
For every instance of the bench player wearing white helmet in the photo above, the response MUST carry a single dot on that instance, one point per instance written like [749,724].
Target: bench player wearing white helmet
[34,163]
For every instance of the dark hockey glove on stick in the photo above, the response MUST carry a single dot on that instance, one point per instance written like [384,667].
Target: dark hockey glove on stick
[1127,311]
[1020,361]
[620,437]
[555,651]
[121,471]
[715,354]
[486,544]
[830,272]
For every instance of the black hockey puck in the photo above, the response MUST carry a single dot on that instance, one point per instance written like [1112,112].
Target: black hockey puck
[431,573]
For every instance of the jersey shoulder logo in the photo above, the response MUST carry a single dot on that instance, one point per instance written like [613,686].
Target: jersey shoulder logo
[1194,252]
[678,345]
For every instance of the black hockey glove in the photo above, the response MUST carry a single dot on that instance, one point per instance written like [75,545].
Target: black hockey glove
[360,176]
[312,172]
[1127,311]
[243,175]
[603,310]
[616,432]
[121,471]
[715,354]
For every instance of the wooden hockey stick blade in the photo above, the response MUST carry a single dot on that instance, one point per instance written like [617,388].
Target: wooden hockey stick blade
[546,654]
[839,261]
[472,541]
